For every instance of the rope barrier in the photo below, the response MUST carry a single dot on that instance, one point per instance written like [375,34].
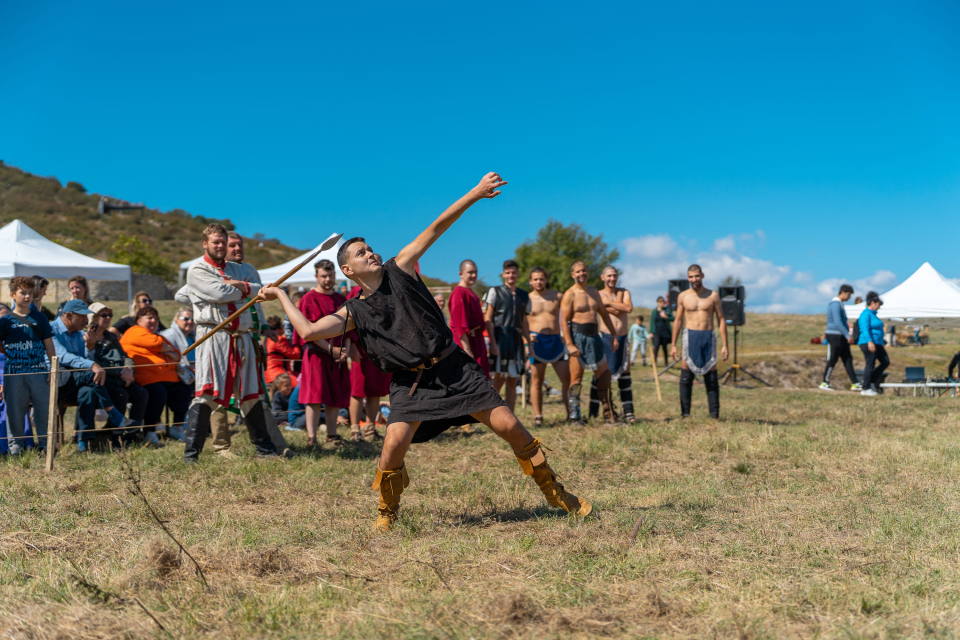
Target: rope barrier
[112,429]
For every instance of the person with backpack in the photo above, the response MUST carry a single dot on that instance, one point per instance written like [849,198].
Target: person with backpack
[872,341]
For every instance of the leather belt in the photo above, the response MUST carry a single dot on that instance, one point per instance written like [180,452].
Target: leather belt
[586,329]
[429,363]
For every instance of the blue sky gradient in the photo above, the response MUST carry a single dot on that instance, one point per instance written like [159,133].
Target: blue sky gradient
[793,146]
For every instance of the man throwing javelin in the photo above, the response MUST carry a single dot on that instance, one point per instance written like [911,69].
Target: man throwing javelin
[435,384]
[698,306]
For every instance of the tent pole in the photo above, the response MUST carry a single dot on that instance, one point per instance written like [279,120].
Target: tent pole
[130,287]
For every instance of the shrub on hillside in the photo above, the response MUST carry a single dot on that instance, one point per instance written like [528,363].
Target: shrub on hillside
[141,257]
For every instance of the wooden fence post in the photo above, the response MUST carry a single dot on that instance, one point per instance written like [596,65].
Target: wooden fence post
[656,377]
[53,414]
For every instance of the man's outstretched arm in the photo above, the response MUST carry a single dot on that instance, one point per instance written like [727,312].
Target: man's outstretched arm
[488,188]
[323,329]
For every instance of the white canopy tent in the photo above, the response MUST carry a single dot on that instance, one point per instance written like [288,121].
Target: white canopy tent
[925,298]
[27,253]
[302,278]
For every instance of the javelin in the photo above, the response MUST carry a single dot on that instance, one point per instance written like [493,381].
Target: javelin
[329,243]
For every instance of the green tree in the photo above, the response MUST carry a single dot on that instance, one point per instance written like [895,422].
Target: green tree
[556,247]
[141,257]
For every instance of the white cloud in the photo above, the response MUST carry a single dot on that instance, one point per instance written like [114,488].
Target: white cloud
[651,260]
[725,245]
[652,247]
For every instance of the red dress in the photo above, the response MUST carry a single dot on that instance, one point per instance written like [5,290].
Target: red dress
[466,317]
[279,354]
[366,380]
[321,380]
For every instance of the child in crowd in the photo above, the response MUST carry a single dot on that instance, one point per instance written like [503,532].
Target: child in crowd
[27,344]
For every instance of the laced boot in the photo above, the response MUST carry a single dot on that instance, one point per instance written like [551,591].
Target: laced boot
[604,397]
[391,484]
[534,464]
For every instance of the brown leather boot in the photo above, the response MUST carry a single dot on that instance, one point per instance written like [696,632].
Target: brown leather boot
[534,463]
[391,484]
[220,430]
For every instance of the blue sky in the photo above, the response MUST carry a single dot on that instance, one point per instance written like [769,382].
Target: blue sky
[793,146]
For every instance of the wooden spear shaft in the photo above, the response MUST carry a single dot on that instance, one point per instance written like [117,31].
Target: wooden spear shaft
[330,242]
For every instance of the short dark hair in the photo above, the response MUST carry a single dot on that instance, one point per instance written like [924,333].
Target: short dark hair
[213,229]
[873,296]
[322,265]
[640,318]
[546,276]
[148,311]
[510,264]
[464,263]
[345,247]
[659,298]
[845,288]
[275,323]
[695,267]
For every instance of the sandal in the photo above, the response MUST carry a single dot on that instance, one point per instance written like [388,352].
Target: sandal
[355,433]
[335,440]
[537,421]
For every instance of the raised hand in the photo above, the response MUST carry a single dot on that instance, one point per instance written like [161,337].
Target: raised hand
[489,186]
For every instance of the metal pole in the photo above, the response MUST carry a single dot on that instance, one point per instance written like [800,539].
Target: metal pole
[53,413]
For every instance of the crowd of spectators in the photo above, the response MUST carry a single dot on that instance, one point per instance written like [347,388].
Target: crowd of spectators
[125,370]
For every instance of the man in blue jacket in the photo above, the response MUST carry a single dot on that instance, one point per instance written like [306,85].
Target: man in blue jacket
[838,340]
[871,343]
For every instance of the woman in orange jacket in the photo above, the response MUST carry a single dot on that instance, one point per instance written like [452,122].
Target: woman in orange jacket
[155,369]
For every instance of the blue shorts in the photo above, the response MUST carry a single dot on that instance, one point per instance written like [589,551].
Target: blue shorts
[615,359]
[547,348]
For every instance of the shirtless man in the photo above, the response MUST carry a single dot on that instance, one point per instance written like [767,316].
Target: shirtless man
[619,305]
[699,305]
[580,306]
[546,343]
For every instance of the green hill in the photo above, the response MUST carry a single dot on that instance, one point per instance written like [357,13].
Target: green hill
[152,242]
[67,214]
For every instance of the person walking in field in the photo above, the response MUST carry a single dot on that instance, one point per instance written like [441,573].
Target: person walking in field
[838,340]
[872,343]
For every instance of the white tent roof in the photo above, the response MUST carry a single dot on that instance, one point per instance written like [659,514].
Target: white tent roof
[302,278]
[926,297]
[27,253]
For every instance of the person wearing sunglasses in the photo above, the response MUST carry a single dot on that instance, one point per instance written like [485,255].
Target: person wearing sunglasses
[183,333]
[141,300]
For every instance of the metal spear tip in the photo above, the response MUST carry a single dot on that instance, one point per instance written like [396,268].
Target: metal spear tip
[331,242]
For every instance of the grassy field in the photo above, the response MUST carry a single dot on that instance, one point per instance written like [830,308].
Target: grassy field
[800,514]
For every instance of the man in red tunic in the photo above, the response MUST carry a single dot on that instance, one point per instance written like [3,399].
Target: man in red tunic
[325,379]
[367,385]
[466,317]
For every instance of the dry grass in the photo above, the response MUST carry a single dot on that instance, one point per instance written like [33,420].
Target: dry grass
[800,514]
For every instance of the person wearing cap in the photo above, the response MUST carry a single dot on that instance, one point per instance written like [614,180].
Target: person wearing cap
[872,343]
[104,348]
[85,385]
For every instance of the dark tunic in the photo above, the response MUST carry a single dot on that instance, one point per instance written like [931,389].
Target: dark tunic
[400,326]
